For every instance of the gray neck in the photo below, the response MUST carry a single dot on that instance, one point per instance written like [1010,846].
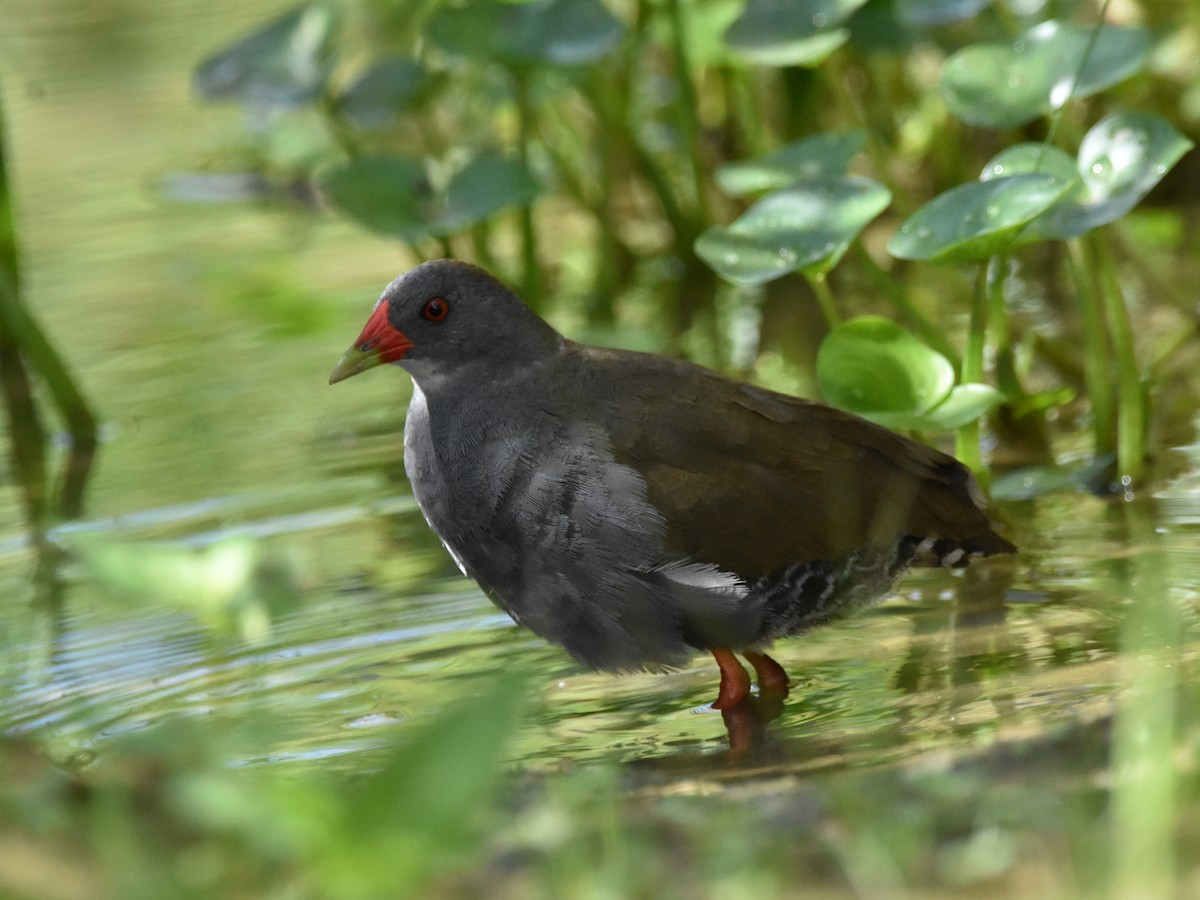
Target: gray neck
[440,380]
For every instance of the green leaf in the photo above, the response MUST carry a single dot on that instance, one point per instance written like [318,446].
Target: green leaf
[1025,404]
[1030,159]
[965,403]
[486,185]
[976,220]
[807,227]
[790,32]
[446,765]
[387,194]
[421,810]
[393,195]
[543,32]
[873,367]
[1121,158]
[232,587]
[932,13]
[284,63]
[383,92]
[1000,85]
[1037,481]
[819,156]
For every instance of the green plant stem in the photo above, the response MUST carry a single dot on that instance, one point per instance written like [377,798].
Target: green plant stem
[531,275]
[1093,37]
[742,106]
[820,287]
[482,247]
[997,313]
[1095,351]
[1131,404]
[610,249]
[1178,341]
[1001,334]
[342,135]
[604,155]
[19,327]
[967,440]
[835,75]
[926,330]
[616,128]
[689,105]
[42,357]
[23,346]
[26,435]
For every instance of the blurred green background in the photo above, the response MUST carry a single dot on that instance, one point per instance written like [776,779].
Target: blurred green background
[245,668]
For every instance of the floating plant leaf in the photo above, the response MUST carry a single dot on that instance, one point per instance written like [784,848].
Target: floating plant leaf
[382,92]
[873,367]
[1030,159]
[486,185]
[234,587]
[387,194]
[976,220]
[285,63]
[965,403]
[807,226]
[1037,481]
[790,32]
[542,32]
[931,13]
[1121,158]
[818,156]
[393,195]
[1000,85]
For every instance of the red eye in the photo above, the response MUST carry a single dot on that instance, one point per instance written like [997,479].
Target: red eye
[435,310]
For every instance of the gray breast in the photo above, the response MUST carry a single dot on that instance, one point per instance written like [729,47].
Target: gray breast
[563,538]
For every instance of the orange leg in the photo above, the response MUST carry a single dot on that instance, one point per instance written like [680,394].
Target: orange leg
[772,679]
[735,683]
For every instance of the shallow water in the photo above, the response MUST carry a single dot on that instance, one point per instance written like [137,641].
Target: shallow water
[387,632]
[220,432]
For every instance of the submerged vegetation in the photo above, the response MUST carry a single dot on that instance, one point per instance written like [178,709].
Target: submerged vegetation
[951,216]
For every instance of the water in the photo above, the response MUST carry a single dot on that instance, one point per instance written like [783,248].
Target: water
[204,336]
[387,632]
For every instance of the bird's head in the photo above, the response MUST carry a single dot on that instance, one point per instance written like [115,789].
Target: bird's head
[445,316]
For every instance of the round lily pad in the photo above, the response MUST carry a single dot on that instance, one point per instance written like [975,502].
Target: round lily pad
[1002,85]
[965,403]
[873,367]
[1121,158]
[383,91]
[541,32]
[821,155]
[393,195]
[1030,159]
[790,32]
[387,194]
[806,227]
[284,63]
[976,220]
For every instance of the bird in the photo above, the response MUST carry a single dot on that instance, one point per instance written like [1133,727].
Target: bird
[636,509]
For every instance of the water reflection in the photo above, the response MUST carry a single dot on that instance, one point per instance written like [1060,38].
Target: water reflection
[220,428]
[379,647]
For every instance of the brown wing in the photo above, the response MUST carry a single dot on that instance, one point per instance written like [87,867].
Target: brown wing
[752,480]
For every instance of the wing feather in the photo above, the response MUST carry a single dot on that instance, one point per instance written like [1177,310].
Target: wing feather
[750,480]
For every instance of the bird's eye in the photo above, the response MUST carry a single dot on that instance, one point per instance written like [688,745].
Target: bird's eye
[435,310]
